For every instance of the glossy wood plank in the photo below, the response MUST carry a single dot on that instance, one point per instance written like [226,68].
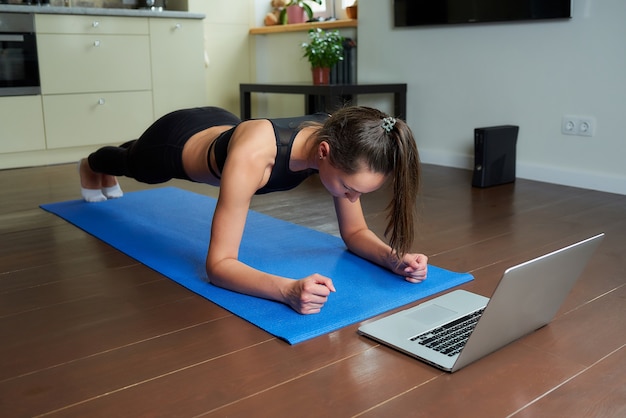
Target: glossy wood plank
[518,374]
[598,391]
[588,333]
[135,363]
[224,380]
[47,337]
[88,331]
[493,387]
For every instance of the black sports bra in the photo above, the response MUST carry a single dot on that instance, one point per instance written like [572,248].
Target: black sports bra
[285,130]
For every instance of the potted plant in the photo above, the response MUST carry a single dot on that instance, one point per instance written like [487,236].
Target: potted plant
[351,11]
[294,11]
[324,50]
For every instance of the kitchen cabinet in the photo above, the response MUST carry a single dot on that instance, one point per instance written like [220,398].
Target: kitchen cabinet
[21,124]
[74,120]
[86,63]
[95,78]
[177,51]
[104,79]
[91,24]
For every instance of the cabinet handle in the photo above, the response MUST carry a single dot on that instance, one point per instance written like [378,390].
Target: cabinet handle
[95,24]
[178,26]
[96,43]
[101,101]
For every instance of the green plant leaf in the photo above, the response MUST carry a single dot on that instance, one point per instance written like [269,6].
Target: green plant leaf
[324,49]
[308,10]
[282,18]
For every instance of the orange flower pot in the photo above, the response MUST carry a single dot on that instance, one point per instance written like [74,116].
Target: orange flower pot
[321,75]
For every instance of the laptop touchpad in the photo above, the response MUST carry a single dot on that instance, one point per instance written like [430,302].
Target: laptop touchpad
[431,314]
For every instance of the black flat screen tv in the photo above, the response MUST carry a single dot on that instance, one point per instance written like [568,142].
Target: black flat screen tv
[445,12]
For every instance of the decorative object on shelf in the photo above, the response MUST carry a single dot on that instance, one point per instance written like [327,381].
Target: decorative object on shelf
[324,50]
[351,11]
[273,17]
[296,10]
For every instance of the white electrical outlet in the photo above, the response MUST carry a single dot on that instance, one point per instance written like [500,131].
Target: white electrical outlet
[569,125]
[587,126]
[578,125]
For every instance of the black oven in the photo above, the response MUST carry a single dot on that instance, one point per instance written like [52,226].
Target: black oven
[19,71]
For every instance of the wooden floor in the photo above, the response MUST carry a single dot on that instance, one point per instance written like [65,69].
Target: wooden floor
[86,331]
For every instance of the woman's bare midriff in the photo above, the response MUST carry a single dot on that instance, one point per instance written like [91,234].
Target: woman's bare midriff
[197,147]
[195,153]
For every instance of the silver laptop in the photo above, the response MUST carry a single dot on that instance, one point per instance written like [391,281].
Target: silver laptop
[458,328]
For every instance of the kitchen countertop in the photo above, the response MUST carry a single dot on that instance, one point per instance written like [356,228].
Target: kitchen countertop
[96,11]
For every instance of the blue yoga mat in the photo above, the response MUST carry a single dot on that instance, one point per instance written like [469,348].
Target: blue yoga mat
[168,229]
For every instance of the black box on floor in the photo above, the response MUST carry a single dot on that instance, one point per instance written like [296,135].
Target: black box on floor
[494,155]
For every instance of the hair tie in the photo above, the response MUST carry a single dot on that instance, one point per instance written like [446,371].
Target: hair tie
[389,123]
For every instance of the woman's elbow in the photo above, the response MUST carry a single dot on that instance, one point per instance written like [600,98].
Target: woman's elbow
[211,276]
[351,239]
[214,276]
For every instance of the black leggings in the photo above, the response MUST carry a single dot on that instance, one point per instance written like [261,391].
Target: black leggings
[157,156]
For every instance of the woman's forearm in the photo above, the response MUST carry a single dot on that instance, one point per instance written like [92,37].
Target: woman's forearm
[366,244]
[234,275]
[305,296]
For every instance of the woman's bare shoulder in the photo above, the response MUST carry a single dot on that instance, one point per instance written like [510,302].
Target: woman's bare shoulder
[253,143]
[261,125]
[254,133]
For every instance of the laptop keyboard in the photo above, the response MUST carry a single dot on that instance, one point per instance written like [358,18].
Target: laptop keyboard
[450,338]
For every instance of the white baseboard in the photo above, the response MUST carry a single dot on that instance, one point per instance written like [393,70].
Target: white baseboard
[604,182]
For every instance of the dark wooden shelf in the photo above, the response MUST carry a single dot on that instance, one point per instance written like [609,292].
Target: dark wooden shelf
[323,98]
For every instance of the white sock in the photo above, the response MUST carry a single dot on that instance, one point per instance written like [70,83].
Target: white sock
[91,195]
[113,192]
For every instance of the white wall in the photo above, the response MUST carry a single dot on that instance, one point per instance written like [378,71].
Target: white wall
[227,45]
[529,74]
[279,58]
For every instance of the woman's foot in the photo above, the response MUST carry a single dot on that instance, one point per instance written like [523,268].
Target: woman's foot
[109,186]
[113,192]
[89,183]
[96,187]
